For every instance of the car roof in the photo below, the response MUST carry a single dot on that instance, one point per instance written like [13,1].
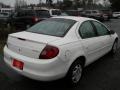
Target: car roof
[46,9]
[74,18]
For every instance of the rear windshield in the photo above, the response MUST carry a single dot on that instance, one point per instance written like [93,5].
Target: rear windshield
[54,27]
[43,13]
[56,12]
[73,13]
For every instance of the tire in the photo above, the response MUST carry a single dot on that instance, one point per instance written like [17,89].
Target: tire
[75,73]
[114,47]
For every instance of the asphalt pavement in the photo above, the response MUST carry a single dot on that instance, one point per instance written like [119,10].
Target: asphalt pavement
[104,74]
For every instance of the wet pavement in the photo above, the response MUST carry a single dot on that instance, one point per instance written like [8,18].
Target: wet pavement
[104,74]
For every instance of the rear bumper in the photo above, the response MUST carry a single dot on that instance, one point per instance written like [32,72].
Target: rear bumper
[37,69]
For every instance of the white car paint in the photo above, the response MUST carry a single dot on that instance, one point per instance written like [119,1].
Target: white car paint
[71,46]
[116,14]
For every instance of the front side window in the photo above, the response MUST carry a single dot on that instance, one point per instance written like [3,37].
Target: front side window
[86,30]
[101,30]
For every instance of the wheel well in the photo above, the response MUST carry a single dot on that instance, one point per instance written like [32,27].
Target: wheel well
[82,59]
[116,39]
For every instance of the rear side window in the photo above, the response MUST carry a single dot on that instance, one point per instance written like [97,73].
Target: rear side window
[86,30]
[101,29]
[43,13]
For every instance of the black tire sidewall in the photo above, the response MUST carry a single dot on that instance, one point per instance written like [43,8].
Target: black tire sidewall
[70,72]
[112,51]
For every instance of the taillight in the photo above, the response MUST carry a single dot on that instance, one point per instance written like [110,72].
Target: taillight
[49,52]
[35,19]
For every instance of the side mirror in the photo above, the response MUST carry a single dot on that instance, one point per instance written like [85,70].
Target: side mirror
[112,32]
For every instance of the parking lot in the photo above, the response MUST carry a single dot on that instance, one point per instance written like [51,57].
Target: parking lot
[104,74]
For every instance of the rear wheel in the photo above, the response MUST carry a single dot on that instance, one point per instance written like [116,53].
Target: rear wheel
[75,72]
[115,47]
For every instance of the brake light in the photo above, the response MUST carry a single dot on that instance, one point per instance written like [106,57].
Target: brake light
[35,19]
[49,52]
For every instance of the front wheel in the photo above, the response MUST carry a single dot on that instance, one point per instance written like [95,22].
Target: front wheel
[75,72]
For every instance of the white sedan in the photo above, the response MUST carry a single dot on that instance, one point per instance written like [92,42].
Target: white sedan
[59,47]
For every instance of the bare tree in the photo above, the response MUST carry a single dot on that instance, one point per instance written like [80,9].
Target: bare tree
[49,2]
[19,4]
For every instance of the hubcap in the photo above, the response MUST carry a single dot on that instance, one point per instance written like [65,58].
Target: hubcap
[76,74]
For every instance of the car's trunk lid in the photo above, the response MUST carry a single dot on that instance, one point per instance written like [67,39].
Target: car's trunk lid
[29,44]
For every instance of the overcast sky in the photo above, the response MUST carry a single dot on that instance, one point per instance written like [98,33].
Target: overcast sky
[12,2]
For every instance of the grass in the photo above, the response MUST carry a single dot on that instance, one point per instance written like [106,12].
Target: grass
[2,44]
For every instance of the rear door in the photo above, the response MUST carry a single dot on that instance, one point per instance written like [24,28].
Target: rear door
[91,43]
[104,36]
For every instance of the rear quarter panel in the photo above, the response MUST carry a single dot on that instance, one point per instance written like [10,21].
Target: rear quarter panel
[70,47]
